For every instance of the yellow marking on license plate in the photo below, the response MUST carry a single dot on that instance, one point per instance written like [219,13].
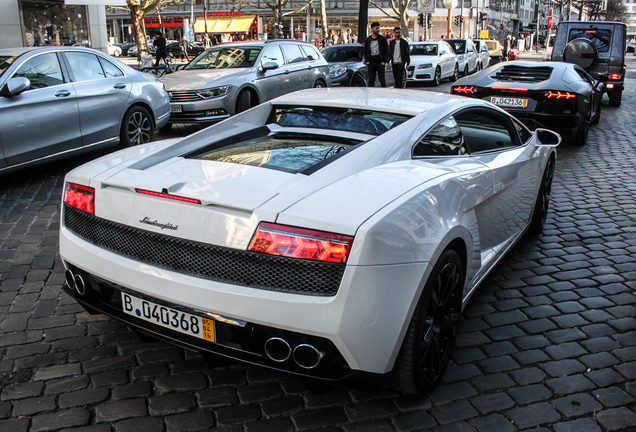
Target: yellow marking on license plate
[208,329]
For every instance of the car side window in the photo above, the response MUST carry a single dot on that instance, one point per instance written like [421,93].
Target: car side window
[110,69]
[43,71]
[484,130]
[444,139]
[293,53]
[309,53]
[584,76]
[273,54]
[84,66]
[524,133]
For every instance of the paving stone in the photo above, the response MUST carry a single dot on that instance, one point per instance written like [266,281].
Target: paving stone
[14,425]
[307,419]
[565,335]
[22,390]
[565,350]
[605,377]
[492,402]
[195,421]
[370,409]
[460,373]
[30,406]
[327,399]
[60,419]
[259,392]
[217,397]
[599,360]
[537,325]
[600,344]
[282,406]
[451,392]
[119,410]
[64,385]
[528,375]
[494,422]
[449,413]
[617,419]
[83,397]
[414,420]
[145,424]
[563,367]
[412,402]
[613,397]
[134,390]
[579,425]
[170,404]
[576,405]
[534,415]
[570,384]
[529,394]
[531,357]
[110,378]
[60,371]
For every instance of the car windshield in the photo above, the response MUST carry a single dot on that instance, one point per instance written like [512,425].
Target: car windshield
[458,46]
[492,45]
[602,38]
[342,54]
[5,62]
[425,49]
[283,151]
[225,58]
[344,119]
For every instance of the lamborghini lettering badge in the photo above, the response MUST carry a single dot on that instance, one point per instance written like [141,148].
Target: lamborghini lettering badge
[148,221]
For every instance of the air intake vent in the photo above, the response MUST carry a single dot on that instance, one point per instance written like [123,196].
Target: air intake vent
[524,74]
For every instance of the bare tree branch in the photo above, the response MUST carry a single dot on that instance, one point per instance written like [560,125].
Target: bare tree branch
[383,11]
[299,9]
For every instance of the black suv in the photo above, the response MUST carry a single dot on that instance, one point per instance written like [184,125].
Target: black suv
[599,48]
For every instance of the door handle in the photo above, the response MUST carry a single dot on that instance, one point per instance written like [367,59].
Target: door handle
[62,93]
[286,72]
[120,86]
[309,68]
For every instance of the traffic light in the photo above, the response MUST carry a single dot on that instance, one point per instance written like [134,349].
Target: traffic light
[429,20]
[457,21]
[480,19]
[420,19]
[461,20]
[502,26]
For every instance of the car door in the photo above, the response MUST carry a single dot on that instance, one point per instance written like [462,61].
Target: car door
[485,55]
[44,119]
[274,82]
[102,95]
[471,56]
[493,139]
[298,67]
[448,59]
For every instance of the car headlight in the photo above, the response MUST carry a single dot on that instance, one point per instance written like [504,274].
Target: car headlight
[336,71]
[425,66]
[214,92]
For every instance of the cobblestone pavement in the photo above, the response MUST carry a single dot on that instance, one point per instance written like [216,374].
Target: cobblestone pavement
[548,343]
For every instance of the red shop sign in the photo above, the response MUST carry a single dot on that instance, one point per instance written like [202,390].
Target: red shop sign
[217,14]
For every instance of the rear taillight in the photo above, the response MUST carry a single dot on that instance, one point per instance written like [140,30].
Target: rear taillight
[466,89]
[615,76]
[559,95]
[302,243]
[80,197]
[511,89]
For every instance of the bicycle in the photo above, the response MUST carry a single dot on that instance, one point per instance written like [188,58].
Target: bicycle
[161,70]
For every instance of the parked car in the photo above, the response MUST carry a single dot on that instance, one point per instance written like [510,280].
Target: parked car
[126,46]
[331,233]
[175,49]
[132,51]
[483,56]
[599,48]
[59,101]
[494,50]
[231,78]
[432,62]
[346,67]
[557,96]
[549,45]
[114,50]
[466,55]
[513,54]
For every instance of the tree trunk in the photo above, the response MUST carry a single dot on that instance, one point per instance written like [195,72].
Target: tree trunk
[363,20]
[323,18]
[404,20]
[137,16]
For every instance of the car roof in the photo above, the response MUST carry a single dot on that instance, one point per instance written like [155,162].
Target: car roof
[426,43]
[16,51]
[398,101]
[22,50]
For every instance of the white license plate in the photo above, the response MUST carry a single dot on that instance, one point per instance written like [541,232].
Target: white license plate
[176,108]
[169,318]
[509,102]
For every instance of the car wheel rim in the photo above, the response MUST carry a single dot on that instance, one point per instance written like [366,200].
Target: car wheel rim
[546,187]
[318,85]
[358,81]
[438,76]
[440,323]
[139,129]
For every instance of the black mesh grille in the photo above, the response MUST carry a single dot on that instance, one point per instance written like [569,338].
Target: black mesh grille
[524,74]
[221,264]
[243,136]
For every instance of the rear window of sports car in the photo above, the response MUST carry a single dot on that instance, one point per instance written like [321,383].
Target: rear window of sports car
[283,151]
[368,122]
[602,38]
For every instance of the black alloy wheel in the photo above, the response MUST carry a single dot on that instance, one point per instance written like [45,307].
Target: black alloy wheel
[430,338]
[542,205]
[597,115]
[581,135]
[320,84]
[455,75]
[358,81]
[136,128]
[437,78]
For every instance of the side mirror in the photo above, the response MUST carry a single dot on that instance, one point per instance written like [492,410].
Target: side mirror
[17,85]
[269,66]
[547,137]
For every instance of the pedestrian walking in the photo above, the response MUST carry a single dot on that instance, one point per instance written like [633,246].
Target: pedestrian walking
[160,45]
[376,55]
[506,47]
[206,41]
[184,48]
[400,57]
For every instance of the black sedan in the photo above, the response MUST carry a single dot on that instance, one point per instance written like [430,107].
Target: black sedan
[553,95]
[345,65]
[175,49]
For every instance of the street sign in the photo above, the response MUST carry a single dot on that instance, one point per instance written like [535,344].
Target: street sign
[484,34]
[427,6]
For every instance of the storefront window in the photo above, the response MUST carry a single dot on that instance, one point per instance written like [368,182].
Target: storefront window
[54,23]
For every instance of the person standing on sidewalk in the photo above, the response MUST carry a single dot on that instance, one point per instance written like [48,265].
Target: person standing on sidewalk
[376,55]
[160,45]
[184,48]
[400,57]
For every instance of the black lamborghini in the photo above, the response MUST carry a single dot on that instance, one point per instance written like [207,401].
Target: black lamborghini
[553,95]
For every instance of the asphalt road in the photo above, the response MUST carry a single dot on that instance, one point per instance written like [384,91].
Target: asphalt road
[548,342]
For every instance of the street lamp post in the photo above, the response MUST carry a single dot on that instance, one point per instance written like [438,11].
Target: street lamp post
[280,20]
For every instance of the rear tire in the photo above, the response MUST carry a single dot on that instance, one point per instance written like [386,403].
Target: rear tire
[358,81]
[542,205]
[137,127]
[581,135]
[429,339]
[466,70]
[597,117]
[615,98]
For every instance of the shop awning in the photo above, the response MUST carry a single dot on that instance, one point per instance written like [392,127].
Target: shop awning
[225,24]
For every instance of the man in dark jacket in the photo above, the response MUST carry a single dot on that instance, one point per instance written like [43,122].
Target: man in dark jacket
[376,55]
[400,57]
[160,44]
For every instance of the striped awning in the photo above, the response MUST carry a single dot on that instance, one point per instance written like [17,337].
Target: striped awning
[225,24]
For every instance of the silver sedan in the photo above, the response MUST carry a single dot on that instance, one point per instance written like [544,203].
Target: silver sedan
[58,101]
[231,78]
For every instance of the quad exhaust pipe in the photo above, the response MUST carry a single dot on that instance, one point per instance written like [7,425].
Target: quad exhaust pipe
[304,355]
[75,281]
